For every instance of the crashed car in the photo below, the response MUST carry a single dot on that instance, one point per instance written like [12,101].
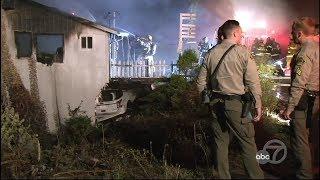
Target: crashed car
[112,103]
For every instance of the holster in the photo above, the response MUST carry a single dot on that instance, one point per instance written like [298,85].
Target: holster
[309,111]
[303,102]
[206,96]
[247,101]
[306,103]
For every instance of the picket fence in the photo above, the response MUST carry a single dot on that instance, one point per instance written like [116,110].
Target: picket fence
[139,69]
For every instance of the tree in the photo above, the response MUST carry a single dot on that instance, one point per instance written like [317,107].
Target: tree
[187,61]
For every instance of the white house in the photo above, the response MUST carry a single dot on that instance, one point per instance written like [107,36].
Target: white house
[72,54]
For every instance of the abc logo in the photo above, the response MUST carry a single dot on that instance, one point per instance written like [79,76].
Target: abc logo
[262,156]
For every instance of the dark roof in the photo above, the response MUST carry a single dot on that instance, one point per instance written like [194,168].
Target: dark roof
[76,18]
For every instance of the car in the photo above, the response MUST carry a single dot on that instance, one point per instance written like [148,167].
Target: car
[112,103]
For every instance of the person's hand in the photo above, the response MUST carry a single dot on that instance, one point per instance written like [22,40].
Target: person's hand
[258,114]
[286,114]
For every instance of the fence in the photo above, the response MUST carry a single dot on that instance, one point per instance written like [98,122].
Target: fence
[139,69]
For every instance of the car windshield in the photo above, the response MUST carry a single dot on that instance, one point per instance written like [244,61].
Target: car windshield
[111,95]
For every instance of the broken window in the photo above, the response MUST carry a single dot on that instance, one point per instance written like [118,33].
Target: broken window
[8,4]
[23,43]
[50,48]
[86,42]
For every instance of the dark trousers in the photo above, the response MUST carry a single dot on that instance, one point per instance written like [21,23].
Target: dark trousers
[226,121]
[300,141]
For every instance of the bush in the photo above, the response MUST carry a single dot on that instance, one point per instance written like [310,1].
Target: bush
[78,128]
[19,148]
[167,97]
[271,104]
[268,86]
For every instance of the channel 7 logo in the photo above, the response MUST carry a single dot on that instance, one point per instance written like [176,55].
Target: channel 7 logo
[275,145]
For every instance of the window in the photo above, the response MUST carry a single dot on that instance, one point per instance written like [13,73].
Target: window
[23,43]
[86,42]
[8,4]
[50,48]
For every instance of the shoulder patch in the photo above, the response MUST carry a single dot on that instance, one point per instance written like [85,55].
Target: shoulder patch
[300,61]
[298,71]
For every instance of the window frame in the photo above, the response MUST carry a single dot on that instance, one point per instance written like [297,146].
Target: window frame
[86,36]
[31,43]
[48,34]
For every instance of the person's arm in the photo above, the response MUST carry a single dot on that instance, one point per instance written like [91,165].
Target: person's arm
[203,75]
[301,72]
[252,81]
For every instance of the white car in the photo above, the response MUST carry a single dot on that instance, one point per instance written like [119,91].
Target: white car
[113,102]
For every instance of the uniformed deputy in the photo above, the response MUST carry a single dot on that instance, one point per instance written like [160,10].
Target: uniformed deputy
[237,70]
[304,88]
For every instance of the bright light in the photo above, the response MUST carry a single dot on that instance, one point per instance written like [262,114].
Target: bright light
[278,118]
[278,95]
[248,21]
[244,18]
[279,63]
[260,24]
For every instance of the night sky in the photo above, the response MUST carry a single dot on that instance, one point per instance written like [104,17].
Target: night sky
[160,18]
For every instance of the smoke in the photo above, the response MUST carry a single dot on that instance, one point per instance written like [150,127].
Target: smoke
[276,14]
[160,18]
[71,7]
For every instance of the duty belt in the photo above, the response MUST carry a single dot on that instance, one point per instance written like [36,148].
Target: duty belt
[225,97]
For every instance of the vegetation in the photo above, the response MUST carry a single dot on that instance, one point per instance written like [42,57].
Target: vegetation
[187,62]
[168,138]
[268,86]
[271,104]
[19,147]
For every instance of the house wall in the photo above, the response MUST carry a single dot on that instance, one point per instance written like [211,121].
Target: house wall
[81,75]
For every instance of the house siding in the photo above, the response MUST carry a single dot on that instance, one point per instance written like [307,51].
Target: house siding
[81,75]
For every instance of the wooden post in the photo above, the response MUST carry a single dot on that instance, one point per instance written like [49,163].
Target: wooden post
[126,69]
[164,68]
[143,69]
[138,69]
[121,68]
[130,68]
[154,68]
[134,68]
[172,67]
[118,68]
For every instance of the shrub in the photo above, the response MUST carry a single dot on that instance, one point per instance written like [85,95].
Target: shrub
[19,148]
[167,97]
[268,86]
[78,127]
